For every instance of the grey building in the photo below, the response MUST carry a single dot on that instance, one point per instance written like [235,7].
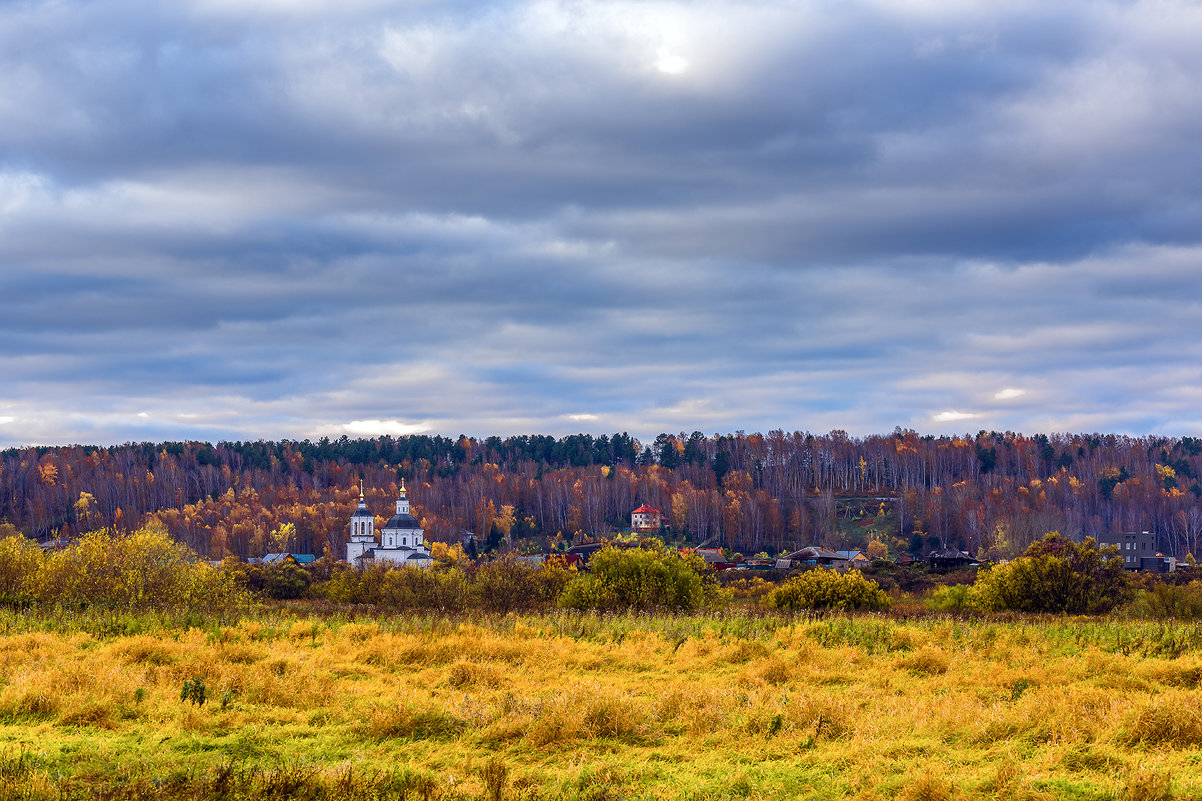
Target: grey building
[1138,551]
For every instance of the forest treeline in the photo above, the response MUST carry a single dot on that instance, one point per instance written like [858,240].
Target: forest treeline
[992,494]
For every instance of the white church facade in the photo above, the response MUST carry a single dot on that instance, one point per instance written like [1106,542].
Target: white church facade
[402,540]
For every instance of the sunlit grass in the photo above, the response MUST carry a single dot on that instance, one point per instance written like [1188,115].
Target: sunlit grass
[591,706]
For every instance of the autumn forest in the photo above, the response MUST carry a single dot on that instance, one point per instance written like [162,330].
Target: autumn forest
[991,494]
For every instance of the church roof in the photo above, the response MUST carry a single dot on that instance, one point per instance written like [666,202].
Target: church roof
[362,512]
[402,521]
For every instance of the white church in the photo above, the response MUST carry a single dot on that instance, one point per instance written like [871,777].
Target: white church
[402,540]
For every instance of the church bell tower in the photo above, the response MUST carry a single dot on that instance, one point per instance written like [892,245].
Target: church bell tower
[363,530]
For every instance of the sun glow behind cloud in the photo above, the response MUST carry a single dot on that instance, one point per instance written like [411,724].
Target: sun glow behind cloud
[671,63]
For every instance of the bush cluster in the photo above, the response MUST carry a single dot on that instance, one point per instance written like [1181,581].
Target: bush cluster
[397,587]
[651,577]
[648,578]
[1055,575]
[502,585]
[1165,600]
[281,582]
[827,589]
[139,571]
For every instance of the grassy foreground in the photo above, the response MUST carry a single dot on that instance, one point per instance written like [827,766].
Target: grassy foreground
[598,707]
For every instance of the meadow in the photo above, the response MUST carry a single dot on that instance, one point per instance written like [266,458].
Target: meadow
[321,701]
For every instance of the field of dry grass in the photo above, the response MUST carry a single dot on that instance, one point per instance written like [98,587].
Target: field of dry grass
[600,707]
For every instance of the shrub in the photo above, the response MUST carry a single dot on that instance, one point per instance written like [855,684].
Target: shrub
[754,588]
[1169,601]
[956,598]
[827,589]
[505,584]
[282,581]
[398,587]
[141,570]
[21,560]
[650,577]
[1055,575]
[194,690]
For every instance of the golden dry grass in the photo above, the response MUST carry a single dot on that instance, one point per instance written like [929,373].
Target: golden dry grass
[565,706]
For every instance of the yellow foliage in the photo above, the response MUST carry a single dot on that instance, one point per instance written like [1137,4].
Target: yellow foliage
[449,555]
[504,522]
[680,510]
[280,540]
[85,507]
[141,570]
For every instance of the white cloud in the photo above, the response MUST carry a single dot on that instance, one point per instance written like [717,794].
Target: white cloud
[375,428]
[582,418]
[1009,394]
[953,416]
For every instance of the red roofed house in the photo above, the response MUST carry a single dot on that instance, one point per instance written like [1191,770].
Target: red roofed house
[646,518]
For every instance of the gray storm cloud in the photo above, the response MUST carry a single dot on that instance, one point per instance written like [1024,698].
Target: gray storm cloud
[243,220]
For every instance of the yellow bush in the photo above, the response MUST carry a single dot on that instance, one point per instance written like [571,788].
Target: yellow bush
[21,562]
[646,578]
[141,570]
[826,589]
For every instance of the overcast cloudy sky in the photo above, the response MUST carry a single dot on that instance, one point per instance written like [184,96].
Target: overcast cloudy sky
[244,219]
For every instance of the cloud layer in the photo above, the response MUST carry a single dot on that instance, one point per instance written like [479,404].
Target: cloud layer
[266,219]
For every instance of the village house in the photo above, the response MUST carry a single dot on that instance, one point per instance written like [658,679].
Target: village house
[856,559]
[713,558]
[284,558]
[646,518]
[950,559]
[816,556]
